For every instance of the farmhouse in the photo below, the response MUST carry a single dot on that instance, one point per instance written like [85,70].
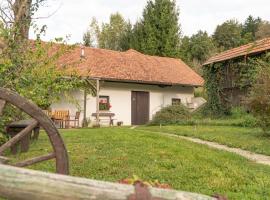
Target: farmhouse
[231,69]
[132,86]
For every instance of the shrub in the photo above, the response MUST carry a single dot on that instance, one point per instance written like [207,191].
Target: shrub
[175,114]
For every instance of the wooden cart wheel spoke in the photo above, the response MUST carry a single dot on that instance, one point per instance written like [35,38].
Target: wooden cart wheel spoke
[40,119]
[35,160]
[2,106]
[18,137]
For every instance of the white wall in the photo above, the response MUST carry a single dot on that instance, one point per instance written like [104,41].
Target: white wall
[120,99]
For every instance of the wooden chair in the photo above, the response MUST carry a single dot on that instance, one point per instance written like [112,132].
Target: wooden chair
[61,116]
[76,120]
[48,113]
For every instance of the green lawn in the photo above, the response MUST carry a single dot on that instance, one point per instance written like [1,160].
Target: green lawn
[251,139]
[112,154]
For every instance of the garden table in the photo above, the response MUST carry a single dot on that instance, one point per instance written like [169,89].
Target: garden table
[108,115]
[15,127]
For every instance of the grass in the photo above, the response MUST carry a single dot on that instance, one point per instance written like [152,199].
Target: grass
[251,139]
[117,153]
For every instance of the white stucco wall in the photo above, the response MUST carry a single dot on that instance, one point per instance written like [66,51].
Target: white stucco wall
[120,99]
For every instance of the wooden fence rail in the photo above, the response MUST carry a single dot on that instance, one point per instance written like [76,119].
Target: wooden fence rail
[25,184]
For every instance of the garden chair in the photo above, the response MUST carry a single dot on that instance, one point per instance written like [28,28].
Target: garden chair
[48,113]
[61,116]
[76,120]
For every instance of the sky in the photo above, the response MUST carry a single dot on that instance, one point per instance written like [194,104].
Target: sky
[72,17]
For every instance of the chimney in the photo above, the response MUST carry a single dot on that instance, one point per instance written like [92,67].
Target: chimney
[82,52]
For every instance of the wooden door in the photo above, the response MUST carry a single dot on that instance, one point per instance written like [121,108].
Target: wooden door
[139,107]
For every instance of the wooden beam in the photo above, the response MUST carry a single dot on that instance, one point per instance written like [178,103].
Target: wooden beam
[25,184]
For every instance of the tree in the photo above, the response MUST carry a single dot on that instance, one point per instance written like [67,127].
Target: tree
[30,67]
[17,15]
[87,40]
[263,30]
[137,37]
[126,38]
[228,35]
[158,33]
[112,33]
[185,53]
[90,37]
[198,48]
[250,27]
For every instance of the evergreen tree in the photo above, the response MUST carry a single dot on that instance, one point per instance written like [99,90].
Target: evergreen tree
[137,37]
[126,38]
[185,47]
[158,33]
[250,27]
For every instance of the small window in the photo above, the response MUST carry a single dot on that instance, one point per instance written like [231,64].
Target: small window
[176,101]
[104,103]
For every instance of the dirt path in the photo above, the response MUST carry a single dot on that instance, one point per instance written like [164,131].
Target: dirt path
[258,158]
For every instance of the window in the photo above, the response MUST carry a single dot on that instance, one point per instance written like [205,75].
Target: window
[176,101]
[104,103]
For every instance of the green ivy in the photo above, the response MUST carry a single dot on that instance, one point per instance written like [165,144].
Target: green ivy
[244,73]
[213,78]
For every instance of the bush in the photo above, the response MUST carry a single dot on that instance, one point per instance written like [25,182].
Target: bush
[175,114]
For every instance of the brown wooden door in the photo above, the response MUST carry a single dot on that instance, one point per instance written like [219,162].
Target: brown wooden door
[139,108]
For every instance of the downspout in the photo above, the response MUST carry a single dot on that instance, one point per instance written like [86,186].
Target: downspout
[84,124]
[163,101]
[97,103]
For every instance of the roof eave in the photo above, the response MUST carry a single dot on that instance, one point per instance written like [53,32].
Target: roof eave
[145,82]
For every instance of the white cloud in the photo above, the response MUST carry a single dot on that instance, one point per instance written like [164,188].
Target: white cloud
[72,17]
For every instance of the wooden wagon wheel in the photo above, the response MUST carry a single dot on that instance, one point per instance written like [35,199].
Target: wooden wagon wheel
[39,118]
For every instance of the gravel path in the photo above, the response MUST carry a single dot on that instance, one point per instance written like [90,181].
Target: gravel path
[258,158]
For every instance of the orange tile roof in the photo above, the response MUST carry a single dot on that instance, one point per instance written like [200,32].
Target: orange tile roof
[130,66]
[245,50]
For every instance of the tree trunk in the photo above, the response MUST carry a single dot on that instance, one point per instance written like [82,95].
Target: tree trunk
[22,19]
